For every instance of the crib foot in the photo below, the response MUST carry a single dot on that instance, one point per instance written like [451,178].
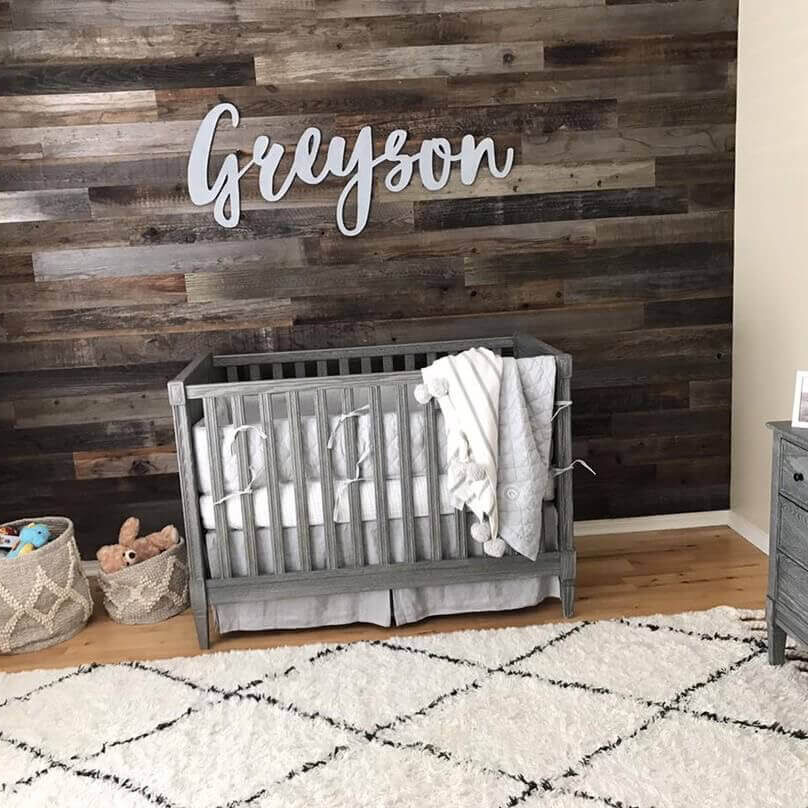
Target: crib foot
[568,598]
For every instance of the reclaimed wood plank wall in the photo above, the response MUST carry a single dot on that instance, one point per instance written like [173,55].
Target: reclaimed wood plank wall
[610,238]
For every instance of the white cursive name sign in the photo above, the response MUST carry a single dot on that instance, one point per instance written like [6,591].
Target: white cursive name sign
[434,159]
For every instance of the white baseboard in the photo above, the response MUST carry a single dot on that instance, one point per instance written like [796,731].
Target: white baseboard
[637,524]
[752,533]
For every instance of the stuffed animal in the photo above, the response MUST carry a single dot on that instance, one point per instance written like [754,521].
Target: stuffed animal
[131,549]
[8,537]
[31,537]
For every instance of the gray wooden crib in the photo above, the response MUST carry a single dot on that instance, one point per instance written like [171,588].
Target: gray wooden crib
[329,383]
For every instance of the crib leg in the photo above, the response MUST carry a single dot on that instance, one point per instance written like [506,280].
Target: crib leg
[568,598]
[567,581]
[199,606]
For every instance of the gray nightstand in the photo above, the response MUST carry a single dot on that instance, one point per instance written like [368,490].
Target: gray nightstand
[787,601]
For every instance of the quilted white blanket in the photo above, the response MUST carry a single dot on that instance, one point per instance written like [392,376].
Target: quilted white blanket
[497,414]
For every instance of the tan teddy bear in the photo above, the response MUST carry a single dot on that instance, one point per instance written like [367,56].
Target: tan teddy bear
[131,549]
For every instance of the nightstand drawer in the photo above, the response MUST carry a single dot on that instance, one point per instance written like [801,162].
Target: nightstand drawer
[793,536]
[794,472]
[792,584]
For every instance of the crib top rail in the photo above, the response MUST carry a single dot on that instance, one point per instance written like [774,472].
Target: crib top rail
[362,351]
[254,388]
[297,371]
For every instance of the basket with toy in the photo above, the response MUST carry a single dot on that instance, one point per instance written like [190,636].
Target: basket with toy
[144,579]
[44,595]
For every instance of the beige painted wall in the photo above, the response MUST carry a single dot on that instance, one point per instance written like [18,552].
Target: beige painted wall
[771,238]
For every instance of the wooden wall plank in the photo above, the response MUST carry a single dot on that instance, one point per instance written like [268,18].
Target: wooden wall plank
[165,258]
[64,13]
[628,143]
[67,142]
[38,206]
[35,79]
[90,409]
[125,463]
[72,109]
[139,319]
[611,237]
[720,47]
[136,349]
[89,294]
[268,280]
[476,212]
[407,62]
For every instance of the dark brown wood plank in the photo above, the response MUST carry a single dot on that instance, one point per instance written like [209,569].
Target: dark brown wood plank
[591,263]
[16,269]
[719,47]
[493,120]
[686,111]
[476,212]
[37,79]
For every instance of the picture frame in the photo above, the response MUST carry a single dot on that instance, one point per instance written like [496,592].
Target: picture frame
[799,413]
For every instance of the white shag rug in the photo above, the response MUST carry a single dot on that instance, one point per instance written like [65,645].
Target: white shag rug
[662,712]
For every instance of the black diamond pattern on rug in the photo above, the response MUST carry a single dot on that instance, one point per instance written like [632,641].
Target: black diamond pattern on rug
[641,713]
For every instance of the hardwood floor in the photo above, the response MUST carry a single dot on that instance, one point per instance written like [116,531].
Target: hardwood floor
[625,574]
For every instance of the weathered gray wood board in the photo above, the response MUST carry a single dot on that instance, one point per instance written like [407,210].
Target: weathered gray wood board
[611,236]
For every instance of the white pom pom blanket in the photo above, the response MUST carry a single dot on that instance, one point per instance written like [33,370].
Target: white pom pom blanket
[467,388]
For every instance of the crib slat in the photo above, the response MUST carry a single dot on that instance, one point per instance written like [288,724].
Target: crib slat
[232,373]
[273,486]
[217,485]
[379,475]
[432,480]
[300,370]
[299,473]
[255,373]
[430,358]
[277,370]
[322,367]
[242,445]
[354,511]
[344,367]
[409,361]
[326,478]
[387,363]
[365,364]
[460,534]
[405,471]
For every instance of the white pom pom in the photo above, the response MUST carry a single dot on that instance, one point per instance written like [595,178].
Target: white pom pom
[481,532]
[494,547]
[422,395]
[438,387]
[475,472]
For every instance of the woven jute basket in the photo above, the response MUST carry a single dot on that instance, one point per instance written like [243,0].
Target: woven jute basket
[44,595]
[150,591]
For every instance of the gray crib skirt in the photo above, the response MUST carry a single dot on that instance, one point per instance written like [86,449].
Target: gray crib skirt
[405,605]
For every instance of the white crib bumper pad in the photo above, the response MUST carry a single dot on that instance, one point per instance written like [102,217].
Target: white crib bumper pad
[314,503]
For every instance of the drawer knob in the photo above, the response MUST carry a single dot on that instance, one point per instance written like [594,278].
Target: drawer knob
[798,476]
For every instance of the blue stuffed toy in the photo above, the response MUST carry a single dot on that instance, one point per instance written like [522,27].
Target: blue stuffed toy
[32,537]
